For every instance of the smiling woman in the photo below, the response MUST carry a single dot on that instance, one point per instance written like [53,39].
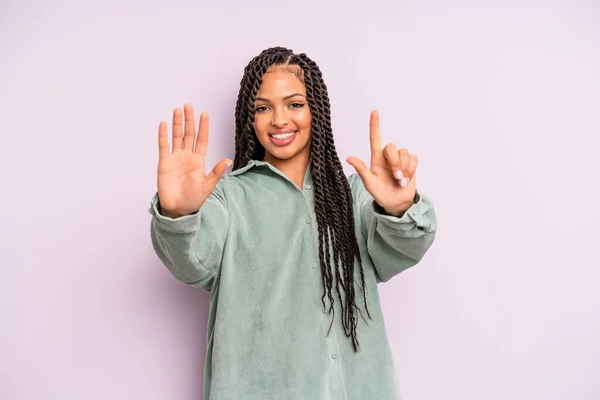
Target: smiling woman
[282,120]
[290,297]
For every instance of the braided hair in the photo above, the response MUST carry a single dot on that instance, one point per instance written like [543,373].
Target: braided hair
[333,198]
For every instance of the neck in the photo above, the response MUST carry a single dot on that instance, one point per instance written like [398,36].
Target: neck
[294,168]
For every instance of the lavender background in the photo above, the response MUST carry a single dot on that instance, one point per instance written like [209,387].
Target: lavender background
[500,100]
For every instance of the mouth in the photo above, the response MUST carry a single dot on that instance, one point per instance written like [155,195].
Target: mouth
[282,137]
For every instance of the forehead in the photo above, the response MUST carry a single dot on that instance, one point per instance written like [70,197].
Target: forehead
[279,82]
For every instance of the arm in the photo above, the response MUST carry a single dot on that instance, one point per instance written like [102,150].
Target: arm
[394,243]
[191,246]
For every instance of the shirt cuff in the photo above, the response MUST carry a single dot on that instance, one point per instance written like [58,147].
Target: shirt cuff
[414,214]
[183,224]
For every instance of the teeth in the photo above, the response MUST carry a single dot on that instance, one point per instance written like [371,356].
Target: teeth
[283,135]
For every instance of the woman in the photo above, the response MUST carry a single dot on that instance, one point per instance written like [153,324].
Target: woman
[290,249]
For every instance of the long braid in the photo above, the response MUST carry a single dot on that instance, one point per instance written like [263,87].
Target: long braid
[333,197]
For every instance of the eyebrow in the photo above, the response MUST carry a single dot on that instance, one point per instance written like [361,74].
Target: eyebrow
[285,98]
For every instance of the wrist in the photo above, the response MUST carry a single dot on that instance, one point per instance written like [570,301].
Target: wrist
[167,213]
[172,214]
[397,212]
[392,212]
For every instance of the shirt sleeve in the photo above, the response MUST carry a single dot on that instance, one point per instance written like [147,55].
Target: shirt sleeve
[191,247]
[394,244]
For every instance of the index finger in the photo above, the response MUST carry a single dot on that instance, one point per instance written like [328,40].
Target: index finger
[202,139]
[375,135]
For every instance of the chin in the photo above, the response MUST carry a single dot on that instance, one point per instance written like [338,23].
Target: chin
[283,154]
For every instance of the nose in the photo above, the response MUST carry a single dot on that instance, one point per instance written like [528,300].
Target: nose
[280,118]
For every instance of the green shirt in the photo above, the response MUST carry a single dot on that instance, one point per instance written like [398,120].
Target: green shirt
[254,246]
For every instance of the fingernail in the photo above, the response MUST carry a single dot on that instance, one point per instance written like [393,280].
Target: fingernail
[404,182]
[399,174]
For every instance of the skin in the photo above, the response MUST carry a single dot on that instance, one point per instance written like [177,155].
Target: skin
[184,185]
[387,165]
[281,104]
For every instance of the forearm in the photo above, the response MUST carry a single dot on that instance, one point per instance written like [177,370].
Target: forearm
[190,246]
[398,243]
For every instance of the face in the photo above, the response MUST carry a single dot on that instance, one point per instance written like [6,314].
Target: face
[282,118]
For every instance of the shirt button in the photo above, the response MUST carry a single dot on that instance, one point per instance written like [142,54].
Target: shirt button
[307,187]
[308,220]
[334,356]
[323,310]
[315,265]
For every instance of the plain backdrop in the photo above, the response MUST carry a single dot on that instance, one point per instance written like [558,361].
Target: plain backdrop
[500,101]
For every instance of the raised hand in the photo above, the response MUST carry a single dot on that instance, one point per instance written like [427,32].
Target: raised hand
[183,185]
[391,179]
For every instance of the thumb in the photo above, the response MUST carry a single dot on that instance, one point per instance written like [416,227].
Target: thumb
[219,170]
[361,168]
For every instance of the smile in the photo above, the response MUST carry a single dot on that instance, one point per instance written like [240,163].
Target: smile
[282,139]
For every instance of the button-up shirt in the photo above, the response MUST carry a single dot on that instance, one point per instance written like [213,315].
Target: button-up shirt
[254,246]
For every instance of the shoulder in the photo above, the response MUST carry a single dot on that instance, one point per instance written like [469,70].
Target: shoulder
[235,177]
[245,181]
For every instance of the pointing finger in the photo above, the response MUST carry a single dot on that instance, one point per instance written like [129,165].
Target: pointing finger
[202,139]
[375,137]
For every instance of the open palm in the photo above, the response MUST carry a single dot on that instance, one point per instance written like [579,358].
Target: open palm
[183,185]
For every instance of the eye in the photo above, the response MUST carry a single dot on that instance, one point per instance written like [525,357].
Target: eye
[260,109]
[297,105]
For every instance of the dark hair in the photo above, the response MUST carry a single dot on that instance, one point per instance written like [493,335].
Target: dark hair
[333,198]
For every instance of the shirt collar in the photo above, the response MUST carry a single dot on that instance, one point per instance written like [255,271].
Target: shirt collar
[308,181]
